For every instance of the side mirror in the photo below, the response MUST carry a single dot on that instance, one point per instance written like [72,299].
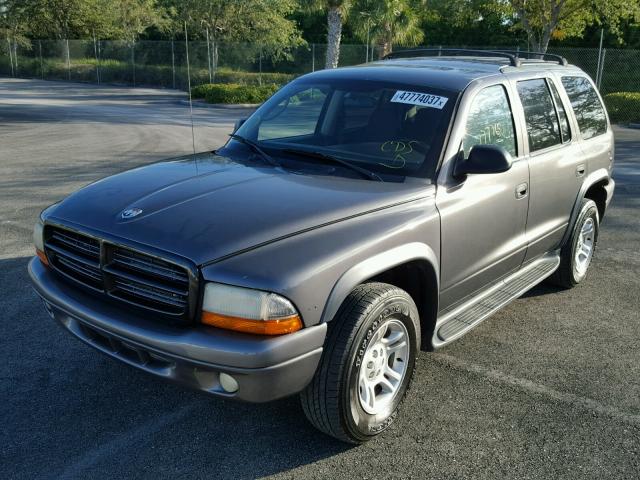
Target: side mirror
[483,159]
[238,124]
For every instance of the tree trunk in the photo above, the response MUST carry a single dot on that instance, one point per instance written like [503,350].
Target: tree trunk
[334,34]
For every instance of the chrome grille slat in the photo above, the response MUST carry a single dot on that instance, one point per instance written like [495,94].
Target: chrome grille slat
[87,248]
[146,282]
[124,274]
[94,274]
[78,258]
[131,288]
[149,267]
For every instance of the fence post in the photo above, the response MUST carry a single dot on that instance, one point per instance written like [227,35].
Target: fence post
[599,58]
[260,67]
[15,54]
[313,57]
[173,65]
[10,48]
[41,62]
[604,53]
[68,59]
[209,56]
[95,52]
[133,62]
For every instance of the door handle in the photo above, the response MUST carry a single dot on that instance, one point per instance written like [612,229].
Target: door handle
[521,190]
[580,170]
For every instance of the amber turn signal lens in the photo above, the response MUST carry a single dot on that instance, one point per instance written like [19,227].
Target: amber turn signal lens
[42,256]
[278,326]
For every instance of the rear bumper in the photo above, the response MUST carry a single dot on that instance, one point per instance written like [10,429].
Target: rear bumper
[266,368]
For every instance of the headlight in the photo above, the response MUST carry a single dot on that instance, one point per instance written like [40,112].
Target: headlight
[249,311]
[38,234]
[38,241]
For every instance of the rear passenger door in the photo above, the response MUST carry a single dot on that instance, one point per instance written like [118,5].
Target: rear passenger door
[556,164]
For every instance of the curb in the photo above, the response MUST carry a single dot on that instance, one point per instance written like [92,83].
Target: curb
[229,106]
[634,125]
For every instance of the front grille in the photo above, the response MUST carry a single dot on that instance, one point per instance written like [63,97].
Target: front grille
[76,256]
[147,281]
[124,274]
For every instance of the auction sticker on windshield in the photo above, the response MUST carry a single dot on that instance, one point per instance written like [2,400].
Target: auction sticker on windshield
[421,99]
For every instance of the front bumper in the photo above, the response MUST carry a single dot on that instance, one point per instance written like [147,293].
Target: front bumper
[266,368]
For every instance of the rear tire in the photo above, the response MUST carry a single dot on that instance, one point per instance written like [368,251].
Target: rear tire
[577,253]
[367,364]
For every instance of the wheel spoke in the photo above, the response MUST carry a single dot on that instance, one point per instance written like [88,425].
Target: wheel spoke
[367,393]
[386,384]
[392,373]
[396,347]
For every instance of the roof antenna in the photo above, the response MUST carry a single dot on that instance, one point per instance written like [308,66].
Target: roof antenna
[186,43]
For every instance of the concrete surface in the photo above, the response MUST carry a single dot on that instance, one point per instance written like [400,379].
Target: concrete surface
[547,388]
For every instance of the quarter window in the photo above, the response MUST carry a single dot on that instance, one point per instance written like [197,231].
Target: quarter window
[540,114]
[589,111]
[490,121]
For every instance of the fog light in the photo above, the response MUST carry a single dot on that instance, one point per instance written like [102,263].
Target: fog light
[228,383]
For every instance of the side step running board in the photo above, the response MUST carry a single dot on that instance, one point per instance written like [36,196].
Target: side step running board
[459,321]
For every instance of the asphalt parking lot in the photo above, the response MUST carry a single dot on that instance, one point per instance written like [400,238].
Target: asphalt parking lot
[547,388]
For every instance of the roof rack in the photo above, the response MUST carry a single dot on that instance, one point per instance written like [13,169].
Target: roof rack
[512,55]
[557,58]
[513,60]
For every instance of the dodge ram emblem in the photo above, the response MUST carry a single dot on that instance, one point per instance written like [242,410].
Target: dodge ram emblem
[131,212]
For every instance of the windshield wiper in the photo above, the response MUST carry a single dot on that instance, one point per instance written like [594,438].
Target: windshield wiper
[254,146]
[330,158]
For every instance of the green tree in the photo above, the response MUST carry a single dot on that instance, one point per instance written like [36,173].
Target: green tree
[387,22]
[265,23]
[470,22]
[337,11]
[132,17]
[543,20]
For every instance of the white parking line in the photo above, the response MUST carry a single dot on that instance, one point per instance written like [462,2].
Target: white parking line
[537,388]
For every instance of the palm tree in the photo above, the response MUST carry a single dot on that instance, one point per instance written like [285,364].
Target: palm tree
[336,13]
[388,22]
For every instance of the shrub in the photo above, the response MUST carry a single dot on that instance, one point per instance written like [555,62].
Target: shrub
[224,75]
[233,93]
[623,106]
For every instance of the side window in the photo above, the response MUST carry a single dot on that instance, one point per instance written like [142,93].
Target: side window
[303,111]
[540,114]
[565,130]
[586,105]
[490,121]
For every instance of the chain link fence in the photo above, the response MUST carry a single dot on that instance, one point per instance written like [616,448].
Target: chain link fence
[163,63]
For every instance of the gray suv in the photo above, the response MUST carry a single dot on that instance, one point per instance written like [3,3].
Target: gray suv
[358,216]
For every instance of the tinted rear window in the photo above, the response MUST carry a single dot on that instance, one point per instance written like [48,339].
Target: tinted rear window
[586,105]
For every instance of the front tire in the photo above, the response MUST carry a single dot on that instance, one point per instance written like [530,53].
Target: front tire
[367,364]
[576,255]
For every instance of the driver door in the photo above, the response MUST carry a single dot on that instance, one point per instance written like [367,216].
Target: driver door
[483,216]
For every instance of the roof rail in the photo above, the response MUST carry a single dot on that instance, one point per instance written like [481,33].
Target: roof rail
[514,56]
[557,58]
[513,59]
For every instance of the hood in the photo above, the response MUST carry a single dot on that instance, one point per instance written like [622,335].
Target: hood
[204,207]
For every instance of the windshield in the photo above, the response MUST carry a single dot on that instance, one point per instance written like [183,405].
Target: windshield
[389,129]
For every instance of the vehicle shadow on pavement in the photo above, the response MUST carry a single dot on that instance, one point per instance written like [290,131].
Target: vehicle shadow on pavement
[69,411]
